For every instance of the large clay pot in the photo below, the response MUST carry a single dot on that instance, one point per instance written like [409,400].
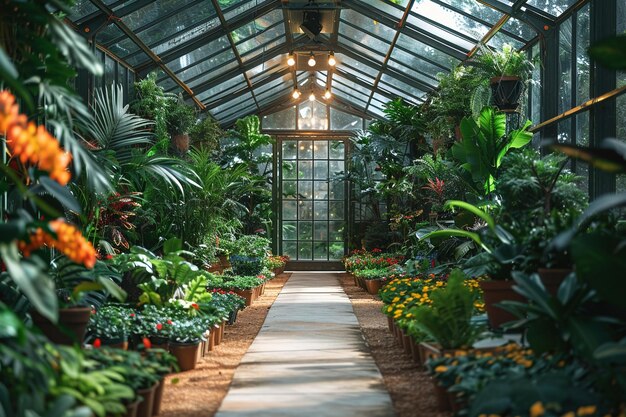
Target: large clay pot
[247,294]
[181,143]
[553,277]
[158,397]
[186,353]
[495,292]
[506,92]
[146,406]
[70,328]
[224,261]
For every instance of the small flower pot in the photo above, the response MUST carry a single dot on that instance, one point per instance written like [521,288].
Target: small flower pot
[70,328]
[279,270]
[131,409]
[158,397]
[145,407]
[211,340]
[373,286]
[495,292]
[186,354]
[216,268]
[442,397]
[232,317]
[158,342]
[247,294]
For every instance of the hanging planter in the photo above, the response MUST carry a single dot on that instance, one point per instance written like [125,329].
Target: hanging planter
[181,143]
[506,92]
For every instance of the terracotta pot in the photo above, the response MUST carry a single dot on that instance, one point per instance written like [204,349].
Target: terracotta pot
[216,267]
[506,92]
[279,270]
[247,294]
[495,292]
[186,353]
[442,397]
[145,407]
[415,352]
[553,277]
[224,261]
[131,409]
[218,334]
[232,317]
[406,343]
[70,328]
[373,286]
[181,142]
[428,351]
[211,340]
[222,329]
[390,323]
[158,397]
[159,342]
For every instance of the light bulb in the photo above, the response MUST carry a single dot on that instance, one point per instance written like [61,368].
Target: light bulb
[312,60]
[327,94]
[291,60]
[331,59]
[296,94]
[312,97]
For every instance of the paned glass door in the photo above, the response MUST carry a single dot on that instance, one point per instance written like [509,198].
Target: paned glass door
[313,206]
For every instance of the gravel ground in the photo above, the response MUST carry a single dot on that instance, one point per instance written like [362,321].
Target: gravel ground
[199,393]
[410,388]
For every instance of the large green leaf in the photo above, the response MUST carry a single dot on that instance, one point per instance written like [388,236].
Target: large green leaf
[32,280]
[601,261]
[610,52]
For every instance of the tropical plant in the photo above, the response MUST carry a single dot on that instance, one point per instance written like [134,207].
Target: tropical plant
[206,134]
[190,330]
[484,145]
[110,322]
[250,246]
[505,62]
[180,116]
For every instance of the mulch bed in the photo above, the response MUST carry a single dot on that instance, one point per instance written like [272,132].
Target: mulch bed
[199,393]
[410,388]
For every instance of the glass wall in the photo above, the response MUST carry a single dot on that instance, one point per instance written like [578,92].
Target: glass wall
[621,100]
[312,116]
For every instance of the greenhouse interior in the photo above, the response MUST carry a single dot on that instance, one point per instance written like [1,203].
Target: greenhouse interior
[298,208]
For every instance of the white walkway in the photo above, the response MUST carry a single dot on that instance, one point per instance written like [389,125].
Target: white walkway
[309,359]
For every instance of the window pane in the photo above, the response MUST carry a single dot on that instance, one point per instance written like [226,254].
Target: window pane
[284,119]
[565,65]
[312,116]
[344,121]
[582,59]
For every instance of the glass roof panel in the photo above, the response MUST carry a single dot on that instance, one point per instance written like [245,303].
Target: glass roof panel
[284,119]
[231,106]
[500,39]
[414,65]
[552,7]
[398,87]
[378,55]
[202,77]
[475,9]
[207,52]
[340,120]
[186,33]
[266,68]
[233,8]
[277,94]
[364,24]
[82,8]
[260,31]
[185,20]
[155,12]
[224,88]
[262,49]
[427,51]
[391,8]
[207,69]
[434,19]
[346,61]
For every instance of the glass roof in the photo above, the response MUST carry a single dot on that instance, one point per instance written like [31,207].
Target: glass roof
[231,55]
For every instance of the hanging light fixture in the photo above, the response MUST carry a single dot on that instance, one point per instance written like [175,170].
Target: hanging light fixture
[327,94]
[312,96]
[331,59]
[312,61]
[296,94]
[291,59]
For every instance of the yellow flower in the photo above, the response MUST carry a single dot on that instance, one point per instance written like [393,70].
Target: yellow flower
[395,300]
[537,409]
[389,309]
[586,410]
[569,414]
[441,368]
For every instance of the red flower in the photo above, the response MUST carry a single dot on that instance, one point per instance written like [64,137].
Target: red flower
[97,343]
[109,256]
[169,321]
[132,314]
[146,343]
[159,326]
[196,306]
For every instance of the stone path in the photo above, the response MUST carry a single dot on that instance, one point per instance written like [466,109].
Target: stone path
[309,359]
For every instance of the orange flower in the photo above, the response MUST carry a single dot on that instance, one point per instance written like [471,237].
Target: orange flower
[69,240]
[31,143]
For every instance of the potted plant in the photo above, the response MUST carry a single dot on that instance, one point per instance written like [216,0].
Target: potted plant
[180,118]
[277,263]
[110,326]
[154,323]
[248,253]
[185,338]
[508,72]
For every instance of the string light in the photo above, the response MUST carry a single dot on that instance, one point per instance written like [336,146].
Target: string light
[331,59]
[296,94]
[312,61]
[327,94]
[291,60]
[312,97]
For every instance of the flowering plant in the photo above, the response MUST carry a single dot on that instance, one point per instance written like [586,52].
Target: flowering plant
[276,261]
[361,259]
[189,330]
[227,301]
[110,322]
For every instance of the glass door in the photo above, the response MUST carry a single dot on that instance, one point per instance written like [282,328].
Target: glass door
[313,206]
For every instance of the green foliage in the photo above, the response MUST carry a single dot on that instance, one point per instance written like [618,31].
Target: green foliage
[610,52]
[180,116]
[110,322]
[484,145]
[448,319]
[249,245]
[206,134]
[506,62]
[151,102]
